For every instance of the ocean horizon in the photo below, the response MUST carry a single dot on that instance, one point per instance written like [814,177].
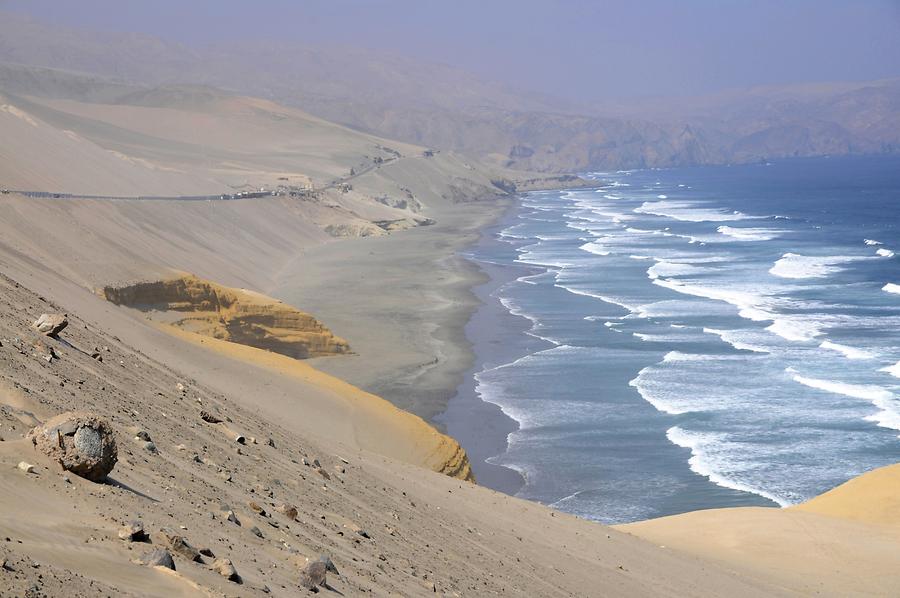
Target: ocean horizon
[689,338]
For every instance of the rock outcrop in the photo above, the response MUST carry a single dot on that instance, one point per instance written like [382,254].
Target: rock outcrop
[234,315]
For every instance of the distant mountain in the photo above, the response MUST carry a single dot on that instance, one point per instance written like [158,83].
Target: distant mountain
[445,107]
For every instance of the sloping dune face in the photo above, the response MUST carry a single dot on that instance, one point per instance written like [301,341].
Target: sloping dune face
[232,315]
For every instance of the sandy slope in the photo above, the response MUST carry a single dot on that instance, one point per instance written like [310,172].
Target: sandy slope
[844,542]
[424,528]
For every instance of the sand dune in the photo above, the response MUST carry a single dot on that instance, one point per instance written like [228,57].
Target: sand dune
[844,542]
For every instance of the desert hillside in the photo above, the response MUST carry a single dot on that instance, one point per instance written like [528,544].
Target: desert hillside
[441,106]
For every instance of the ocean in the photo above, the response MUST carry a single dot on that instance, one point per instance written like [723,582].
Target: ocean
[690,338]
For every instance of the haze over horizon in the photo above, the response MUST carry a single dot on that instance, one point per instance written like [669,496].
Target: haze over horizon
[610,50]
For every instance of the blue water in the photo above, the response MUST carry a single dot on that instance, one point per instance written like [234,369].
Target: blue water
[711,336]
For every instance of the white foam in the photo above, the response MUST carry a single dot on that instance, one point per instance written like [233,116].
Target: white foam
[848,352]
[884,252]
[595,248]
[662,196]
[893,370]
[665,268]
[689,212]
[888,415]
[702,461]
[873,242]
[792,265]
[732,337]
[891,288]
[604,298]
[749,234]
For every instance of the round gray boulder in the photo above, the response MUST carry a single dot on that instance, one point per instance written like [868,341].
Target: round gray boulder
[80,442]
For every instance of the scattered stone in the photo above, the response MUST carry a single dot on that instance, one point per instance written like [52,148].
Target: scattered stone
[181,388]
[26,467]
[270,442]
[257,509]
[157,558]
[95,354]
[340,469]
[142,435]
[225,568]
[210,418]
[51,324]
[329,564]
[316,464]
[304,461]
[228,514]
[344,461]
[80,442]
[180,546]
[289,511]
[207,552]
[133,531]
[323,473]
[256,532]
[42,351]
[150,447]
[364,534]
[313,575]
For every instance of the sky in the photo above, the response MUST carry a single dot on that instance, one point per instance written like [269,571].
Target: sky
[584,50]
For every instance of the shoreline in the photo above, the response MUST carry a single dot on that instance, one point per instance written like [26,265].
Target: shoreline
[481,427]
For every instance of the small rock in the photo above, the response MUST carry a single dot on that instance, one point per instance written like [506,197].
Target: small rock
[157,558]
[228,514]
[313,575]
[181,388]
[257,509]
[142,435]
[207,552]
[42,351]
[133,531]
[340,469]
[329,565]
[323,473]
[51,324]
[180,546]
[210,418]
[225,568]
[289,511]
[364,534]
[150,447]
[26,467]
[270,442]
[256,532]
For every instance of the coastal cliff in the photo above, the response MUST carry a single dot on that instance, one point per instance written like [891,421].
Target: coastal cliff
[234,315]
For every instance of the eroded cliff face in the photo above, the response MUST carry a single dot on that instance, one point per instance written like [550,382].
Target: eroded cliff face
[233,315]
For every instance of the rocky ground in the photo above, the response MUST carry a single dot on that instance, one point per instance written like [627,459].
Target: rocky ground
[230,490]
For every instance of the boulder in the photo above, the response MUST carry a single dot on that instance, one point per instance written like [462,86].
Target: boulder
[313,575]
[225,568]
[157,558]
[133,531]
[51,324]
[80,442]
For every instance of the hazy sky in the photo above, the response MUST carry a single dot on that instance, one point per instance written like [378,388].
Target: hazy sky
[573,48]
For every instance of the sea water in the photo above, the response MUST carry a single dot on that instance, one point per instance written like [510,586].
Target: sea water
[700,337]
